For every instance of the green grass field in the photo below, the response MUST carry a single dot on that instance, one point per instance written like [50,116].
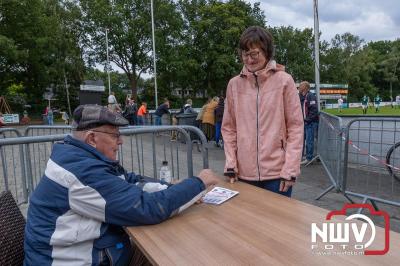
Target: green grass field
[384,110]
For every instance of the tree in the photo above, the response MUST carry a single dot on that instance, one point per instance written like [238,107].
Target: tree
[119,82]
[335,57]
[129,33]
[294,49]
[208,55]
[358,71]
[389,66]
[37,46]
[16,96]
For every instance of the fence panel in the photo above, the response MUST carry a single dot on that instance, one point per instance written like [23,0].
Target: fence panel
[365,171]
[12,165]
[330,146]
[46,130]
[134,153]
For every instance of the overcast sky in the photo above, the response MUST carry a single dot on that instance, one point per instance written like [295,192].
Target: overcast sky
[372,20]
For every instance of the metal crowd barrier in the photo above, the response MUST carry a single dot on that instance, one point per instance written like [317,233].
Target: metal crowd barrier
[330,147]
[142,151]
[364,172]
[10,164]
[46,130]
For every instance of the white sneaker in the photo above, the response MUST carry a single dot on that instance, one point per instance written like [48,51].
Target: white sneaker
[304,162]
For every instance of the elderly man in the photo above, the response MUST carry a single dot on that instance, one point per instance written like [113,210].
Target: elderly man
[309,106]
[85,196]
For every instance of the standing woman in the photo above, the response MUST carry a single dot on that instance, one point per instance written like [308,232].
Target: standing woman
[209,118]
[262,124]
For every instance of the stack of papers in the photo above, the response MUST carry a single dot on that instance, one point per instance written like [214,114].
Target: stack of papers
[219,195]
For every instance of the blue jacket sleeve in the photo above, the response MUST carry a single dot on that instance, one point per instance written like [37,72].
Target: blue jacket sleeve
[129,205]
[126,204]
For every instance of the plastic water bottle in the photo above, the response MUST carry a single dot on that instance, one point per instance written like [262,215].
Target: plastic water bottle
[165,173]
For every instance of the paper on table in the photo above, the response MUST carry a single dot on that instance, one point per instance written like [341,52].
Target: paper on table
[219,195]
[192,201]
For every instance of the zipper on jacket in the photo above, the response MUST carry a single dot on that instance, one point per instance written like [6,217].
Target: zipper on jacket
[108,254]
[258,92]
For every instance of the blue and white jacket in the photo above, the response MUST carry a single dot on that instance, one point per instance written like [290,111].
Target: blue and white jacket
[77,211]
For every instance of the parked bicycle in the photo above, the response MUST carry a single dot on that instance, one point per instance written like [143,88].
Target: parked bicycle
[393,159]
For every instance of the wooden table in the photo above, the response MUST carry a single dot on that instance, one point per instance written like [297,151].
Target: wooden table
[256,227]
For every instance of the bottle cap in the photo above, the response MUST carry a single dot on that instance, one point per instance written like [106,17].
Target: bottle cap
[165,163]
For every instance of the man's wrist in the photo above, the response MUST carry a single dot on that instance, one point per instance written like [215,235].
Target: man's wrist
[202,184]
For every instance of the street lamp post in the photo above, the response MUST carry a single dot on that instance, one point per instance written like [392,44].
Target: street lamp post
[108,65]
[154,55]
[316,52]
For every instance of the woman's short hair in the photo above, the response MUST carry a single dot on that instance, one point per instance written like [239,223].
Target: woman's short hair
[257,36]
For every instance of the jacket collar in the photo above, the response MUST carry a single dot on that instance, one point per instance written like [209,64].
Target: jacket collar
[82,145]
[271,66]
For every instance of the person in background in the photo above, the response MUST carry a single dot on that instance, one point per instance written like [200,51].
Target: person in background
[25,119]
[141,114]
[199,117]
[113,104]
[78,210]
[135,110]
[2,123]
[161,110]
[377,102]
[262,124]
[186,109]
[310,115]
[340,104]
[208,119]
[219,113]
[364,104]
[127,99]
[130,112]
[397,101]
[50,116]
[65,117]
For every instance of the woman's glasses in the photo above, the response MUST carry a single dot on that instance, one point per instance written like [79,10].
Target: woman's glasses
[253,55]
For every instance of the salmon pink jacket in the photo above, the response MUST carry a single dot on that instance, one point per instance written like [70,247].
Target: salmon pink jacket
[263,125]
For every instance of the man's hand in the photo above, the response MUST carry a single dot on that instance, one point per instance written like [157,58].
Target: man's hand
[208,177]
[285,185]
